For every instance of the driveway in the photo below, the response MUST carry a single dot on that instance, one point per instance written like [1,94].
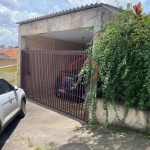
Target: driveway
[53,131]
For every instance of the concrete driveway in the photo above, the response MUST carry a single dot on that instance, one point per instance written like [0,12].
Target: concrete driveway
[53,131]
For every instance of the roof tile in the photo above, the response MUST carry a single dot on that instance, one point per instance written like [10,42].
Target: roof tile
[71,10]
[10,51]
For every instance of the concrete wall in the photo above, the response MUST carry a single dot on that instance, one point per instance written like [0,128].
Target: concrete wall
[43,43]
[77,20]
[7,61]
[135,118]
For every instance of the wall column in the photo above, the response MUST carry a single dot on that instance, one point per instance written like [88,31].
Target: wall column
[22,46]
[97,29]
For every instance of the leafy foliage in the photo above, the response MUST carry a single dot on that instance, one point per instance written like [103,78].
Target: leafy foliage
[122,53]
[2,46]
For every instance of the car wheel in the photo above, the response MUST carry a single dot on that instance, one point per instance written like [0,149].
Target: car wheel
[57,93]
[23,109]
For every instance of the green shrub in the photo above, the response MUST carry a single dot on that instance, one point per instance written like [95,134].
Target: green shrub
[122,53]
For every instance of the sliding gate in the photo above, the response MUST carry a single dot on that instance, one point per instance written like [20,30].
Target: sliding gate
[41,71]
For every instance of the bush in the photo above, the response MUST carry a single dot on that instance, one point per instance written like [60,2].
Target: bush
[122,53]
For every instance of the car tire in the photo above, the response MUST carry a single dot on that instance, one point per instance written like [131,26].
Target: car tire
[57,93]
[23,109]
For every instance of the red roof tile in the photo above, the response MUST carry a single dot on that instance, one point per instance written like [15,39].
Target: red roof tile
[10,51]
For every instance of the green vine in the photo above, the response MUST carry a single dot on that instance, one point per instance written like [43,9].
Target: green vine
[122,53]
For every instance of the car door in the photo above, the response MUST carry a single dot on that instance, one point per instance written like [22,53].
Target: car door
[4,107]
[8,101]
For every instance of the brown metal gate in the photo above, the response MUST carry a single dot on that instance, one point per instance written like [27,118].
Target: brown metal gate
[40,73]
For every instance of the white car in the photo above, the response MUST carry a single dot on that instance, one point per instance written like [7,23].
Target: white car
[12,103]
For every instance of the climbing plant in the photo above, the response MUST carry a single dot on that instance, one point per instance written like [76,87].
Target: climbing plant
[122,53]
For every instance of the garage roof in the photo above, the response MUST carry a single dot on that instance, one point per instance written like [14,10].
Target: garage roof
[60,13]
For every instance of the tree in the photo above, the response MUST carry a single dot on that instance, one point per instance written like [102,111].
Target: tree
[2,46]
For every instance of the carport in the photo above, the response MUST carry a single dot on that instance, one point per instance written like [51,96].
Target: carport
[52,43]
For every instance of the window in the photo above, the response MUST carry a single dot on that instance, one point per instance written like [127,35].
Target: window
[5,87]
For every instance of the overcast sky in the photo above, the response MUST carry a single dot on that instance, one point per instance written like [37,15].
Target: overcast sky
[12,11]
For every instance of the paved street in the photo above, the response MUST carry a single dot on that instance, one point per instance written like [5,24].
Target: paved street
[53,131]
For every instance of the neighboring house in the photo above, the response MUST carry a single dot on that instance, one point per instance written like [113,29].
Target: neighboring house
[56,42]
[8,56]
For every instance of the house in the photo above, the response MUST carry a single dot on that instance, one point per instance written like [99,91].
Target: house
[8,56]
[50,44]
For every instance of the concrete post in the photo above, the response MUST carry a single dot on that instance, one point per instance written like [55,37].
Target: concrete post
[96,32]
[93,83]
[22,46]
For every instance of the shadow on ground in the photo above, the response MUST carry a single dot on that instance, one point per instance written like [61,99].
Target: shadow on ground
[4,136]
[112,138]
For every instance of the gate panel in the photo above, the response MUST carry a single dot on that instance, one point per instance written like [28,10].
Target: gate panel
[46,79]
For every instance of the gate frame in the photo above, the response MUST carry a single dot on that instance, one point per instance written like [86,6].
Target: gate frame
[77,52]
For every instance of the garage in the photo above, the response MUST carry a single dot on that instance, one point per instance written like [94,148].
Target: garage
[51,53]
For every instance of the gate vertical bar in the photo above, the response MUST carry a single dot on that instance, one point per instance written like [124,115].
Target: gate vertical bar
[44,68]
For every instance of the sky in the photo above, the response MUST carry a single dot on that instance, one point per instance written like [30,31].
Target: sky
[12,11]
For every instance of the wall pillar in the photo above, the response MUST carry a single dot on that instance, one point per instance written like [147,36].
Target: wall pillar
[96,32]
[22,46]
[93,83]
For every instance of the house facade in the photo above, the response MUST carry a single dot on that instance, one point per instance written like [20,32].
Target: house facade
[53,43]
